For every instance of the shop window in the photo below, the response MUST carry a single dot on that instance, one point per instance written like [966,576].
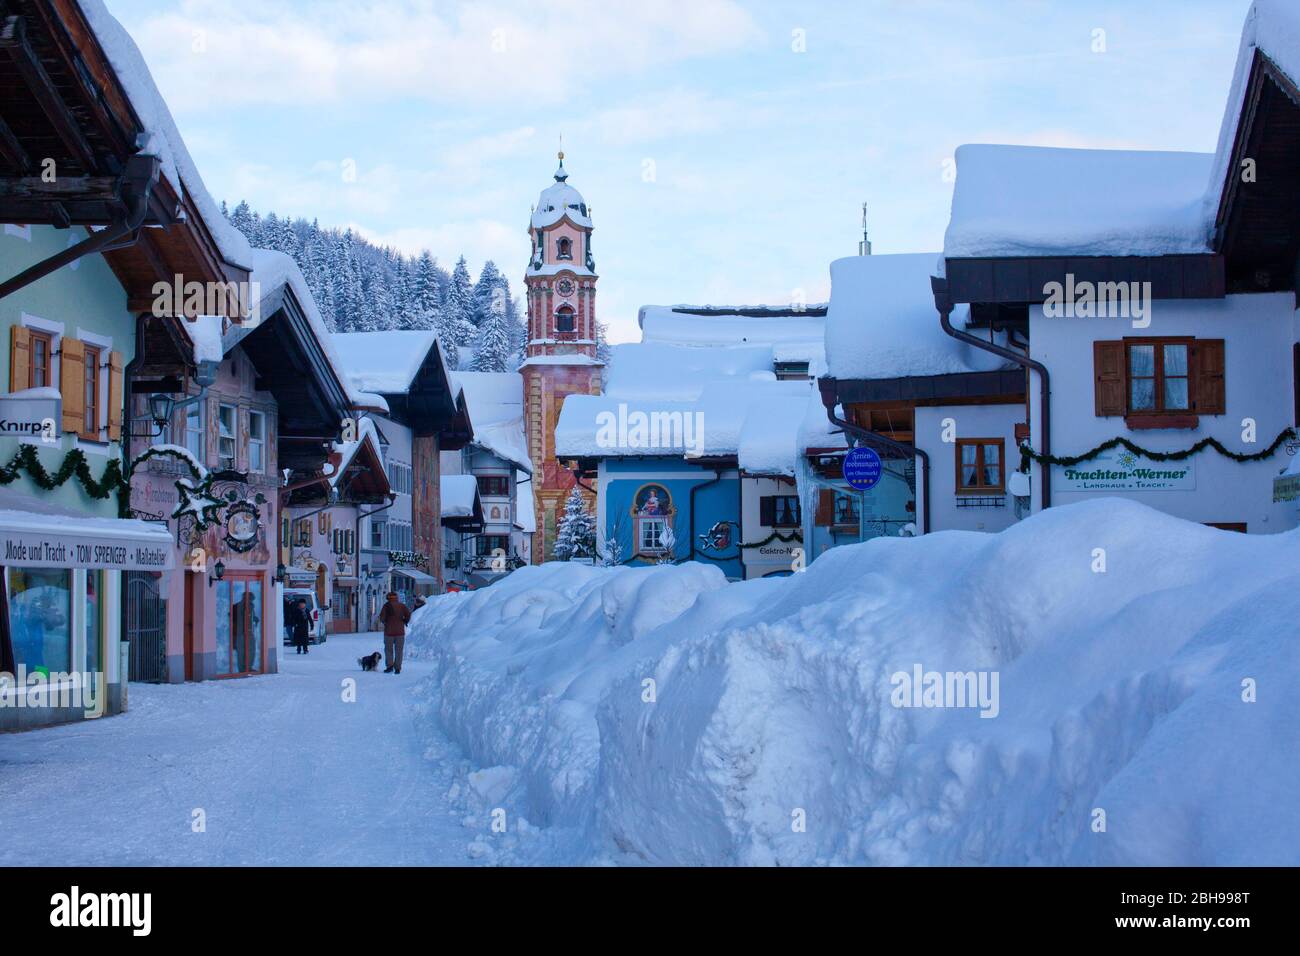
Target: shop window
[494,486]
[256,441]
[488,544]
[238,627]
[227,417]
[779,511]
[40,618]
[979,466]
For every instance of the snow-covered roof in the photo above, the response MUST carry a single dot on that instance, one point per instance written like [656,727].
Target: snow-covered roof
[656,370]
[164,140]
[270,270]
[495,401]
[384,362]
[573,358]
[1273,28]
[1039,201]
[772,436]
[459,493]
[366,431]
[883,323]
[791,335]
[606,426]
[556,202]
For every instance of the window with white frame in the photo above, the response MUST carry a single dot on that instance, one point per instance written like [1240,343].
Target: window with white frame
[652,534]
[227,440]
[192,432]
[256,441]
[377,536]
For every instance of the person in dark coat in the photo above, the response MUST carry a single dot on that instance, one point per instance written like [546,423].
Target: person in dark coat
[298,624]
[394,616]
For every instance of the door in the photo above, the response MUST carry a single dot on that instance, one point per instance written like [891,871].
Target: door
[239,616]
[146,626]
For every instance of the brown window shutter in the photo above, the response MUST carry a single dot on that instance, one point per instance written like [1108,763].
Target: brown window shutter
[114,396]
[1108,367]
[72,383]
[1210,397]
[825,515]
[20,358]
[767,511]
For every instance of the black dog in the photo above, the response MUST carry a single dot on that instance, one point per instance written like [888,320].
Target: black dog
[370,661]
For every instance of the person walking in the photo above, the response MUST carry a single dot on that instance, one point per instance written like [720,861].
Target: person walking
[298,624]
[394,616]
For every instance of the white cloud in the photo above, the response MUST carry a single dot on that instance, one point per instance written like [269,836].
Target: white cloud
[482,52]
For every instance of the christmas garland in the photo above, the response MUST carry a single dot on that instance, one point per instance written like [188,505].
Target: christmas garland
[775,536]
[1027,454]
[74,463]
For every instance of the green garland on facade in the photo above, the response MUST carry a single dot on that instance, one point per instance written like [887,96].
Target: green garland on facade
[1027,454]
[776,536]
[74,463]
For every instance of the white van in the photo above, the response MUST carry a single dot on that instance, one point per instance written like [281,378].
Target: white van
[316,614]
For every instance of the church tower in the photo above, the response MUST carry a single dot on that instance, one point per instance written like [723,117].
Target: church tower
[561,354]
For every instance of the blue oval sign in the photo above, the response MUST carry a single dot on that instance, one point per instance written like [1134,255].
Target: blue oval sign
[862,468]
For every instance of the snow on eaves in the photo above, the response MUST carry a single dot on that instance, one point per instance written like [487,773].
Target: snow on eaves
[164,139]
[383,362]
[205,333]
[1040,201]
[458,495]
[348,450]
[882,322]
[495,401]
[1272,28]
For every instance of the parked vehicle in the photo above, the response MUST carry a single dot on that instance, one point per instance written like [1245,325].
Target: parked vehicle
[316,633]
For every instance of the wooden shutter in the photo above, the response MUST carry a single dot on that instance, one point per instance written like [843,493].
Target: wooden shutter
[825,515]
[1209,397]
[20,358]
[767,511]
[72,383]
[114,396]
[1108,367]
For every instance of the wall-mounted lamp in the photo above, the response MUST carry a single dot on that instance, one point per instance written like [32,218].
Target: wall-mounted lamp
[218,572]
[280,571]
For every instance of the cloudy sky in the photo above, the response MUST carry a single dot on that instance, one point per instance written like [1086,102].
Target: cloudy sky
[725,147]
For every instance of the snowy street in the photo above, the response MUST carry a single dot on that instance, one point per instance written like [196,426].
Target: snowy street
[283,769]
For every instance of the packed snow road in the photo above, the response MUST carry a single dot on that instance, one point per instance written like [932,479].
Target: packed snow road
[278,769]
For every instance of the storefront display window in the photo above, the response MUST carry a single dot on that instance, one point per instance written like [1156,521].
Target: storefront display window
[94,622]
[40,618]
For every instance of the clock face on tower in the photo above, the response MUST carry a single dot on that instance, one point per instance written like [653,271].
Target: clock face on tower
[564,287]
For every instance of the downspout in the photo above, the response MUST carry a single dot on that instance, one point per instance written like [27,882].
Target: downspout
[827,388]
[356,539]
[944,304]
[717,477]
[139,178]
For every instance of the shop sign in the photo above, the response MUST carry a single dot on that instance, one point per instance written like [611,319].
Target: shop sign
[1121,470]
[51,548]
[1286,488]
[31,416]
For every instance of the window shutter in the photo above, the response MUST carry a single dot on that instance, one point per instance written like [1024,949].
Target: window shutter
[20,357]
[825,515]
[1210,397]
[1108,368]
[767,511]
[72,383]
[114,396]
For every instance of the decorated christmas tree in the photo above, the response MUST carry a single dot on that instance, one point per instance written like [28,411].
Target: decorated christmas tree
[576,536]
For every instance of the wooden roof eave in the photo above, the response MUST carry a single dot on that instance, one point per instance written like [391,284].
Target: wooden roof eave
[1000,387]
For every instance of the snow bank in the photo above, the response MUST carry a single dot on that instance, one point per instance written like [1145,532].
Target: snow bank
[1043,201]
[769,735]
[882,322]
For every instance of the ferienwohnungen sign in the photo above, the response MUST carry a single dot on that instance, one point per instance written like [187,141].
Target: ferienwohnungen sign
[1120,470]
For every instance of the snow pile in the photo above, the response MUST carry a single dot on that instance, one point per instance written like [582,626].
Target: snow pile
[882,322]
[205,333]
[797,337]
[1041,201]
[668,717]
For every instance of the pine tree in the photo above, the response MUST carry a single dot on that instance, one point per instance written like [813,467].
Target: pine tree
[495,351]
[486,289]
[576,535]
[458,311]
